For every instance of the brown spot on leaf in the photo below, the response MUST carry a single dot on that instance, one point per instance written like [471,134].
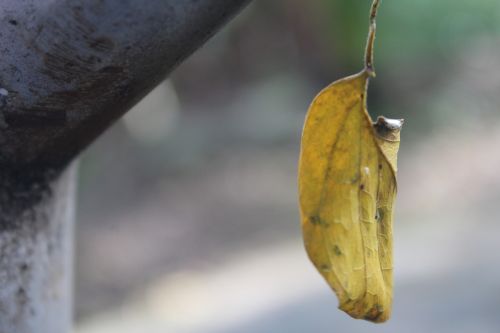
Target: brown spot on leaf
[375,313]
[325,267]
[314,220]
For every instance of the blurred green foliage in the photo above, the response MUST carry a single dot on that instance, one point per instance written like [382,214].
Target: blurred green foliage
[408,29]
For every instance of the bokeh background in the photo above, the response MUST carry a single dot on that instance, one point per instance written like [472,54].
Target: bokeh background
[188,218]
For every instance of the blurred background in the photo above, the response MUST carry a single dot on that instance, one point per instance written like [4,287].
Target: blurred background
[188,218]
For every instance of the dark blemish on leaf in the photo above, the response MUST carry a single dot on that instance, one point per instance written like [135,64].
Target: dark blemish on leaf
[362,187]
[324,267]
[380,166]
[314,220]
[337,250]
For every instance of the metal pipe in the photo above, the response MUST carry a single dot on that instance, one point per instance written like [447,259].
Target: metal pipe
[68,70]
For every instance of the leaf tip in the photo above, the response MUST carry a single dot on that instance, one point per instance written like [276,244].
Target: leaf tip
[388,128]
[392,124]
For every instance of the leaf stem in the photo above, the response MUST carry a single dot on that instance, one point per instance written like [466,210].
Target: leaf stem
[370,70]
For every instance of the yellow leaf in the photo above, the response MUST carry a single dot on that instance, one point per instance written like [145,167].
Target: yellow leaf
[347,187]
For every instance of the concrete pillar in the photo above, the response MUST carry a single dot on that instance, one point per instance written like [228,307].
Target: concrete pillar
[36,252]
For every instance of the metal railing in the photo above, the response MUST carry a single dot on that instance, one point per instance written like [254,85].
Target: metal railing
[68,70]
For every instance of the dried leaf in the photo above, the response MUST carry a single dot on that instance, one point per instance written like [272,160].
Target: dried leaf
[347,187]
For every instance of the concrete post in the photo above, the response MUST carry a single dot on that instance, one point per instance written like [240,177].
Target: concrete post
[36,253]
